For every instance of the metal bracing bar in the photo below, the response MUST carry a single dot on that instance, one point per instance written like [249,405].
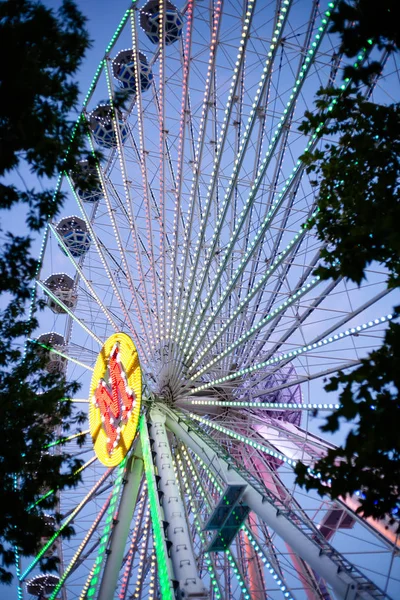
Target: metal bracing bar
[205,495]
[181,551]
[134,543]
[75,559]
[281,128]
[348,582]
[238,163]
[334,327]
[68,311]
[120,530]
[84,278]
[186,486]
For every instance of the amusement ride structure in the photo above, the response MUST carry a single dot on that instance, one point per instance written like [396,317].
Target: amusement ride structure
[182,294]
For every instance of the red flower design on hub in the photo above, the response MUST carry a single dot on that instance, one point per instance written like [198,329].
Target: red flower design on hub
[115,400]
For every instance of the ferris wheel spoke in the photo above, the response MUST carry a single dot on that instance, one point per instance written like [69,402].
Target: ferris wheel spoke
[65,308]
[200,525]
[186,51]
[318,342]
[147,192]
[147,330]
[182,284]
[334,327]
[279,131]
[186,482]
[79,270]
[257,348]
[305,289]
[73,514]
[240,156]
[259,286]
[77,556]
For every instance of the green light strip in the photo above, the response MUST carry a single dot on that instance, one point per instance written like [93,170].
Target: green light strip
[231,558]
[163,561]
[87,464]
[67,439]
[91,585]
[81,548]
[200,533]
[54,351]
[323,341]
[66,522]
[67,310]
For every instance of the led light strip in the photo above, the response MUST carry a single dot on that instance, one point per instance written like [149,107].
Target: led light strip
[117,132]
[245,440]
[161,170]
[210,567]
[54,351]
[156,515]
[87,464]
[82,275]
[99,250]
[134,539]
[243,146]
[82,546]
[66,522]
[67,310]
[267,564]
[296,352]
[228,553]
[143,167]
[67,439]
[197,160]
[270,406]
[142,554]
[271,269]
[91,586]
[179,174]
[276,205]
[260,552]
[280,309]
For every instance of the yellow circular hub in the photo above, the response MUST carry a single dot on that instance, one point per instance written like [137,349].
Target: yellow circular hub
[115,399]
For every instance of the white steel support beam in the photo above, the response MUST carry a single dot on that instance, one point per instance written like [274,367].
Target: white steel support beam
[120,530]
[181,552]
[347,581]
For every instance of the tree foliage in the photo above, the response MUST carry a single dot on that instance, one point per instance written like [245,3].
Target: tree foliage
[42,51]
[357,171]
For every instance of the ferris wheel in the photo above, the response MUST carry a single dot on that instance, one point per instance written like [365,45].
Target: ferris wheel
[181,293]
